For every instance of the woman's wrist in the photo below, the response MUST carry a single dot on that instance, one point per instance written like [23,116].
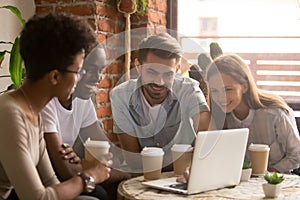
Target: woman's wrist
[88,182]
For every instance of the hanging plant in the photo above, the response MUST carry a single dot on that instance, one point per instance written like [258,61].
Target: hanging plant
[15,62]
[140,7]
[127,6]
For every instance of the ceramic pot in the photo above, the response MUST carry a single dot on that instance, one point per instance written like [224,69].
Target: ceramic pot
[271,190]
[246,174]
[127,6]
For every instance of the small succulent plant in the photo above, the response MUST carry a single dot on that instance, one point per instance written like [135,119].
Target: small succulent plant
[246,165]
[273,178]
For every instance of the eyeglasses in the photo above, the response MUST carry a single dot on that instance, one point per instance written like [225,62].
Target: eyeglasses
[79,73]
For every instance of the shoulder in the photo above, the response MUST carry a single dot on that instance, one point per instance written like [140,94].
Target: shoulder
[124,88]
[8,103]
[185,83]
[10,111]
[81,102]
[52,106]
[273,112]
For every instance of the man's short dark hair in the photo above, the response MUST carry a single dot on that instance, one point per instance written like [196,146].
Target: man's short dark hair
[162,45]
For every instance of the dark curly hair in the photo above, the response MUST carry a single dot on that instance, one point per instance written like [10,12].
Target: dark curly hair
[52,42]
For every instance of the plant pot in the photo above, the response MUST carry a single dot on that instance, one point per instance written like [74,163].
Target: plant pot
[246,174]
[271,190]
[127,6]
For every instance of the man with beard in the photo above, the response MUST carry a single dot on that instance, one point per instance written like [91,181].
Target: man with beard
[159,108]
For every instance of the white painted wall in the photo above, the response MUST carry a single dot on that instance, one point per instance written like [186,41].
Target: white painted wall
[10,27]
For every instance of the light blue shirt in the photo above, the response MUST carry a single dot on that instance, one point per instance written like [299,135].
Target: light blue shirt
[174,124]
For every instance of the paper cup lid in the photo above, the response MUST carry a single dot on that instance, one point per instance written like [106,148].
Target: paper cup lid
[258,147]
[182,148]
[96,143]
[152,151]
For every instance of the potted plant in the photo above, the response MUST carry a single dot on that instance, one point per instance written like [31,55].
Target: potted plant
[140,7]
[15,62]
[246,171]
[198,71]
[272,187]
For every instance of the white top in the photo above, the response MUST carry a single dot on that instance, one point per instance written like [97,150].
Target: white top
[67,123]
[275,128]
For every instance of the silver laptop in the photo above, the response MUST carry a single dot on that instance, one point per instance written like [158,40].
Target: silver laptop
[217,163]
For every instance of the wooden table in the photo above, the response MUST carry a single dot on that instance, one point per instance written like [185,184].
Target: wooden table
[252,189]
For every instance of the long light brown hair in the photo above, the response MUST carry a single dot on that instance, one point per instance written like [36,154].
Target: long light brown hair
[234,66]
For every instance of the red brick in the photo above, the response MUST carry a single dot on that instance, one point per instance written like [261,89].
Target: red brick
[107,125]
[101,38]
[107,2]
[82,10]
[106,25]
[105,83]
[114,68]
[115,40]
[151,3]
[92,23]
[105,11]
[135,18]
[103,111]
[41,10]
[115,54]
[156,17]
[102,96]
[162,6]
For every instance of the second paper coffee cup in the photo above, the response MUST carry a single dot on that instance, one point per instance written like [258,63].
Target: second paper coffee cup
[152,159]
[182,157]
[259,156]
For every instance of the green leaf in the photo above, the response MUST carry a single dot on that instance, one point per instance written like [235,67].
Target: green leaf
[273,178]
[16,11]
[246,165]
[203,61]
[215,50]
[15,63]
[2,54]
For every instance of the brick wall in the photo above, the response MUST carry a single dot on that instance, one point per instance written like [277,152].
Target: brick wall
[107,23]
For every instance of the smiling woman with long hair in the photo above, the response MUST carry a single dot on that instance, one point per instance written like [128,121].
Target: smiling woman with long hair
[270,120]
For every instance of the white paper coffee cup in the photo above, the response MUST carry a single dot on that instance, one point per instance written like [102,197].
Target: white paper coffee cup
[182,157]
[152,159]
[259,156]
[95,149]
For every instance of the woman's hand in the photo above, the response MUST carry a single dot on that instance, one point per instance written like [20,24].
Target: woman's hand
[68,154]
[98,169]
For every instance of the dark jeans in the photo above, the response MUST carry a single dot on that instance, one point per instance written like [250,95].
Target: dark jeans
[13,195]
[99,193]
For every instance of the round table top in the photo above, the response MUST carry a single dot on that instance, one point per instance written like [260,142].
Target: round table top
[252,189]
